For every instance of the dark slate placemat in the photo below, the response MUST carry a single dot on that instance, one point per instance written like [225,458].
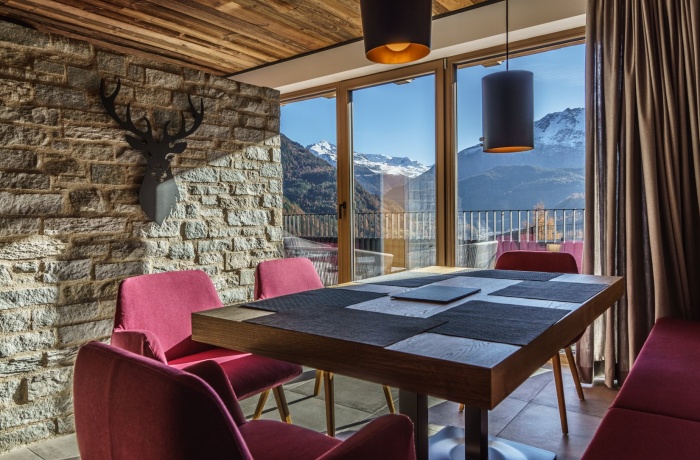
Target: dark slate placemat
[325,297]
[560,291]
[511,275]
[414,282]
[497,322]
[437,294]
[347,324]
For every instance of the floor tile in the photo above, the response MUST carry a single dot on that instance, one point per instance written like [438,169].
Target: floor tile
[539,426]
[598,397]
[63,448]
[448,414]
[533,386]
[358,394]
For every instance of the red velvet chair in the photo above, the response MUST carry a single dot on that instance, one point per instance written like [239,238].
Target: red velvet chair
[153,319]
[553,262]
[279,277]
[128,407]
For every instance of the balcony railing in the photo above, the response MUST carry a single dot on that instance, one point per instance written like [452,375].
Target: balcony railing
[537,226]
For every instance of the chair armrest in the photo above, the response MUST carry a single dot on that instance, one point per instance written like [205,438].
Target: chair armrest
[389,437]
[211,372]
[142,343]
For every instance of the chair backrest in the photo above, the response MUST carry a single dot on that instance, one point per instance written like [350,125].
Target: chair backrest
[537,261]
[131,408]
[162,303]
[274,278]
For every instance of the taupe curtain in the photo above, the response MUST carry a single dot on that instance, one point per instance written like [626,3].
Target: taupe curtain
[642,171]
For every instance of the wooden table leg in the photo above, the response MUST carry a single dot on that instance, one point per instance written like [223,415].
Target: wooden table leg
[415,406]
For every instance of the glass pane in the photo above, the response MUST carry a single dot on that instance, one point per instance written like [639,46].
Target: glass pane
[394,176]
[529,200]
[310,192]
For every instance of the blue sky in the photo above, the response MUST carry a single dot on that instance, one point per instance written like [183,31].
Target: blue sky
[398,120]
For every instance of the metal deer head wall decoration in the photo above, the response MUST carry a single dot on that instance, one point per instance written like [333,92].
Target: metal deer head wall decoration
[159,192]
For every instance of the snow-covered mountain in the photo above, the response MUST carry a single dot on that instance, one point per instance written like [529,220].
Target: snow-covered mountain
[377,163]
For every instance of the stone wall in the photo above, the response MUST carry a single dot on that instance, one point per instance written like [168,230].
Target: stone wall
[70,224]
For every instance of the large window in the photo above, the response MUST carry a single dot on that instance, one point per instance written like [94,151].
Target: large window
[386,173]
[309,168]
[529,200]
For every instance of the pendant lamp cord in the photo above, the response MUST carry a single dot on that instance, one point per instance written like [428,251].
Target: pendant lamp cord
[507,35]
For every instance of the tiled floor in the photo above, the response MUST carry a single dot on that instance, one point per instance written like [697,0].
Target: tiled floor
[529,415]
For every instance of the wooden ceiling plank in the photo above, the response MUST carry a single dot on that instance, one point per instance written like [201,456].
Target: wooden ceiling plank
[100,25]
[117,44]
[298,41]
[326,32]
[176,27]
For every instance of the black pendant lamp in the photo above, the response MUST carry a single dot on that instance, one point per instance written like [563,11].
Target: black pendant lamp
[508,105]
[396,31]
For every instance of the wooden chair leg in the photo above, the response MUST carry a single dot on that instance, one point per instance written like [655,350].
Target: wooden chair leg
[556,365]
[261,404]
[330,403]
[317,383]
[389,399]
[278,391]
[461,407]
[574,372]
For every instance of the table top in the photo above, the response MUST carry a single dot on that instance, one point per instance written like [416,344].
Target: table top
[476,372]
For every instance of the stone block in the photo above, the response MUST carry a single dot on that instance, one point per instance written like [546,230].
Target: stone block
[211,245]
[19,298]
[23,136]
[26,434]
[26,267]
[162,79]
[247,277]
[271,201]
[136,73]
[108,174]
[61,315]
[52,67]
[75,225]
[35,411]
[247,244]
[118,270]
[24,181]
[248,217]
[74,51]
[111,63]
[210,258]
[167,229]
[48,383]
[230,175]
[20,365]
[81,333]
[17,159]
[13,92]
[249,189]
[275,233]
[10,391]
[30,204]
[82,78]
[67,167]
[207,189]
[271,170]
[182,251]
[18,226]
[56,96]
[14,321]
[195,230]
[155,249]
[236,260]
[65,425]
[128,249]
[61,357]
[67,270]
[23,342]
[151,97]
[233,296]
[198,175]
[257,153]
[19,35]
[86,200]
[248,135]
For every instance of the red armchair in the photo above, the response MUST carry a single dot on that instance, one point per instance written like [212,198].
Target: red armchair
[553,262]
[128,407]
[279,277]
[153,319]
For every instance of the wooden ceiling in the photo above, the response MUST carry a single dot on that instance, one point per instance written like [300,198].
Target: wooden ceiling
[219,36]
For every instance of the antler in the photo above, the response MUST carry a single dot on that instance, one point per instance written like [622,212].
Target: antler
[128,124]
[183,133]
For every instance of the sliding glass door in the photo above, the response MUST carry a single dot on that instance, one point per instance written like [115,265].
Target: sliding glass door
[393,140]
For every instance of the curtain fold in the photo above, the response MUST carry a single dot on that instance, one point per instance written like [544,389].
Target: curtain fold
[642,171]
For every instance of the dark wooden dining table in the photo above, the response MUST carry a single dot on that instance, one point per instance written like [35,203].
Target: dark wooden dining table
[475,371]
